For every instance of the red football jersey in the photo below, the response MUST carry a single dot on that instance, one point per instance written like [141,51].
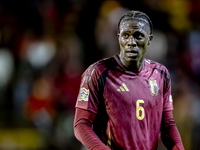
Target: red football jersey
[128,105]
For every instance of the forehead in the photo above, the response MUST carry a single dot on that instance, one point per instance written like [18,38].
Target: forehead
[132,25]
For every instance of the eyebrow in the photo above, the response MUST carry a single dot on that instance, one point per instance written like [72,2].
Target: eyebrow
[128,31]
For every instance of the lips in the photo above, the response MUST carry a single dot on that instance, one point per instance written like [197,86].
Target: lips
[132,53]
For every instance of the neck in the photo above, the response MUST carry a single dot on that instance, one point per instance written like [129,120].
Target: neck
[133,66]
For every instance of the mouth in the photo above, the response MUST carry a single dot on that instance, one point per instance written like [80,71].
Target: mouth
[132,53]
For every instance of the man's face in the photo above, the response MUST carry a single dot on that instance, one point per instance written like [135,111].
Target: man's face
[133,38]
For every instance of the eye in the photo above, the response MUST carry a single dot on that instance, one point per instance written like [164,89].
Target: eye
[138,35]
[125,35]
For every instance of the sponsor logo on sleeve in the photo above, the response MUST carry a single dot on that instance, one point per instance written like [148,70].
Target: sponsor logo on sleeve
[84,94]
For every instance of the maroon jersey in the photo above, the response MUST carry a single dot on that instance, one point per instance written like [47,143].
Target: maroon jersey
[128,105]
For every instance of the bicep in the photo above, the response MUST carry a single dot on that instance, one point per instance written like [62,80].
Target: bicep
[83,116]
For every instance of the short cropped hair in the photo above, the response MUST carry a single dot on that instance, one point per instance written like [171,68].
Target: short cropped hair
[138,16]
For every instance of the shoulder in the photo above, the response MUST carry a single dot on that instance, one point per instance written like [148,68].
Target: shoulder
[159,67]
[154,64]
[98,68]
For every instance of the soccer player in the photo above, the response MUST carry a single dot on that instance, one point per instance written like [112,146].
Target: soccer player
[125,101]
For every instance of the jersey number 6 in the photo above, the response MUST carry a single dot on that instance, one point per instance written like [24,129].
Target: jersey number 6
[138,109]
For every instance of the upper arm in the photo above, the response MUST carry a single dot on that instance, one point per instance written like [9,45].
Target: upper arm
[167,96]
[91,89]
[83,117]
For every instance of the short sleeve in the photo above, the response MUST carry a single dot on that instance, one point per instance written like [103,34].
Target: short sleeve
[88,97]
[167,96]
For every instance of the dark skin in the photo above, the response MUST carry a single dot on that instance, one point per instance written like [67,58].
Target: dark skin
[134,37]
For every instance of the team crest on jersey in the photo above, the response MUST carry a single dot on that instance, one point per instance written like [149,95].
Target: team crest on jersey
[83,95]
[153,86]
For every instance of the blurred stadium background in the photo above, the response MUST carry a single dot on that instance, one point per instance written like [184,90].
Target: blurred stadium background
[45,45]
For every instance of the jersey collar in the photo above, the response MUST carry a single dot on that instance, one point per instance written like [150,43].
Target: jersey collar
[122,68]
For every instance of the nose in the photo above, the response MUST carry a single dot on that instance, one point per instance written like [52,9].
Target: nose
[131,41]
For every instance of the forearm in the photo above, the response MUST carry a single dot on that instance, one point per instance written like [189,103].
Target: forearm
[84,133]
[87,137]
[169,132]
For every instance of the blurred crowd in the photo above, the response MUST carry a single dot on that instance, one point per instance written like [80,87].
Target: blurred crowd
[45,45]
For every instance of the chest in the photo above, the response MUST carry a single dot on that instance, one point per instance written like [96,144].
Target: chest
[128,92]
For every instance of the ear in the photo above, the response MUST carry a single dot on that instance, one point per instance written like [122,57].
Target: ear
[118,34]
[150,39]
